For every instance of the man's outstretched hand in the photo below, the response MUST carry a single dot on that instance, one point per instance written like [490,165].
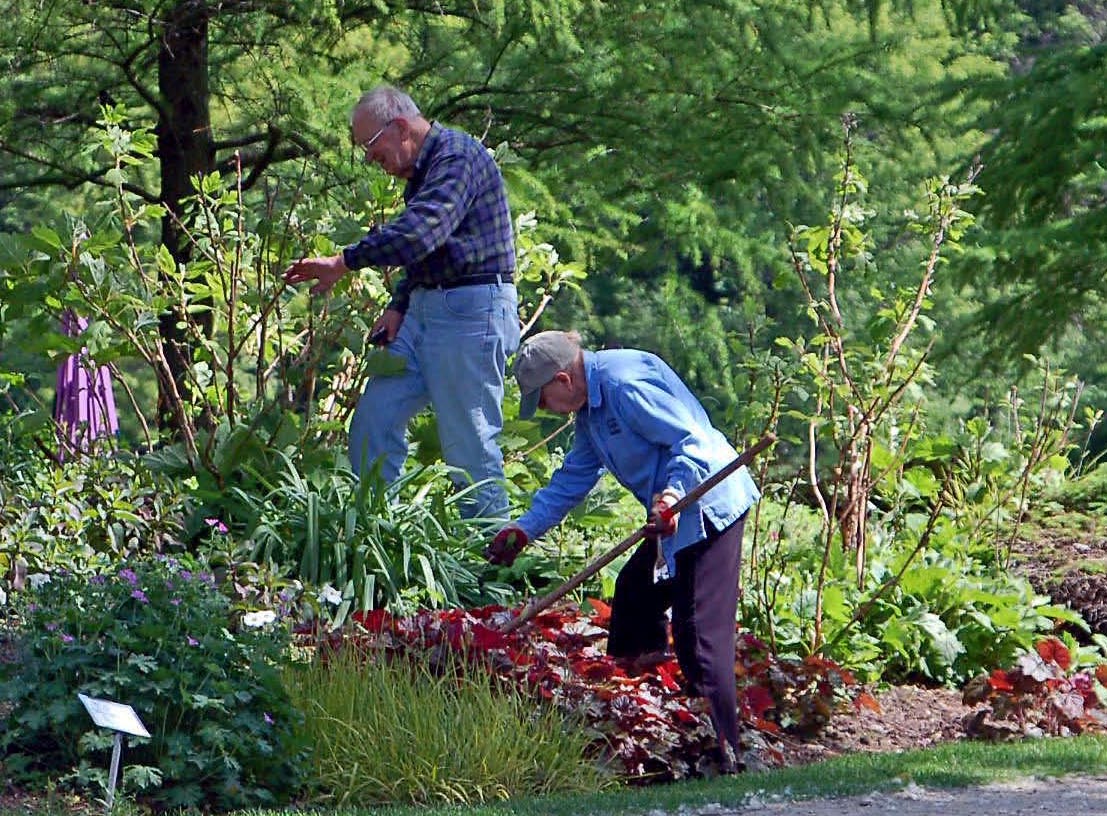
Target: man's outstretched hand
[325,271]
[507,544]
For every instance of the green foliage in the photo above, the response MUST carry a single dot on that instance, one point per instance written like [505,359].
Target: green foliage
[907,578]
[684,329]
[393,732]
[158,636]
[401,546]
[1041,252]
[81,515]
[1087,493]
[941,617]
[948,620]
[956,610]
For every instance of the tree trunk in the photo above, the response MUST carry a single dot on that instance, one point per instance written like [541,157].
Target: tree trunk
[185,149]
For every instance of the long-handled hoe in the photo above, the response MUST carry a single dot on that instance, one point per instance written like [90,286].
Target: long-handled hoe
[536,605]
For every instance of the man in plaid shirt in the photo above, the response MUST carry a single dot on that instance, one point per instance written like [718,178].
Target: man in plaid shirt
[453,317]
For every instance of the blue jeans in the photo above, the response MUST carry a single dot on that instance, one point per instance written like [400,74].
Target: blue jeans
[456,343]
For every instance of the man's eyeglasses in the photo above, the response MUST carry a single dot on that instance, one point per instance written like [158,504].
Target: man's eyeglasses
[367,145]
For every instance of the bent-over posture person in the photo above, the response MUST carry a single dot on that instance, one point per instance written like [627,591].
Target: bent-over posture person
[637,419]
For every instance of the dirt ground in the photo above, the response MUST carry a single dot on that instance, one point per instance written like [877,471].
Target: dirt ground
[909,717]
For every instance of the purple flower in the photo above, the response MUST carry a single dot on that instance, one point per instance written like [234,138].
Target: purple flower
[67,638]
[268,720]
[219,526]
[128,574]
[192,641]
[175,601]
[186,574]
[51,627]
[98,580]
[140,596]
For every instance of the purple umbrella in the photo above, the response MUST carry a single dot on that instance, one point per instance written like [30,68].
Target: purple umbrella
[84,408]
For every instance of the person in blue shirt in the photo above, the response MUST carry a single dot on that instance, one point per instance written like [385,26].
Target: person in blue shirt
[453,317]
[636,419]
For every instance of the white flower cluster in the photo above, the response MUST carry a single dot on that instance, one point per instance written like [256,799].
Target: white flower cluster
[330,595]
[255,620]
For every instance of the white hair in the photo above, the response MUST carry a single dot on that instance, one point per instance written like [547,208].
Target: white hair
[385,103]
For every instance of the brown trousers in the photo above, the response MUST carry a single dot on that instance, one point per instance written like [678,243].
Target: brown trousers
[704,598]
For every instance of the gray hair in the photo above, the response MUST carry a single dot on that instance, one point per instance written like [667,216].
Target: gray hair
[385,103]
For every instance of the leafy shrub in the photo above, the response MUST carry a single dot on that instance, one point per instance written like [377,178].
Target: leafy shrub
[84,514]
[392,731]
[941,617]
[952,619]
[157,636]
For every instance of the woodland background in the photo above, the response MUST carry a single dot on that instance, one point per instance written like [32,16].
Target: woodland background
[875,229]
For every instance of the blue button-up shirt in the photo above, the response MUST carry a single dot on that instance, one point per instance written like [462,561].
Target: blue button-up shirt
[643,425]
[456,223]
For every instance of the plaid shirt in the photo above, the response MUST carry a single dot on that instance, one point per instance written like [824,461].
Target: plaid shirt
[456,223]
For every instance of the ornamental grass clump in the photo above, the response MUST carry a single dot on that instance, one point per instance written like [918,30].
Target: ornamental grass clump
[394,732]
[156,635]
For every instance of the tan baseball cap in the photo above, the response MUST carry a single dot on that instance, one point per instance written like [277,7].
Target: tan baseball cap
[536,363]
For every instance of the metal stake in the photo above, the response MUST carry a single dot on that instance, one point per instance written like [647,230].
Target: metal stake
[113,773]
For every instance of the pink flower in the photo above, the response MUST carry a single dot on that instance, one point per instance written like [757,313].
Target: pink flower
[219,526]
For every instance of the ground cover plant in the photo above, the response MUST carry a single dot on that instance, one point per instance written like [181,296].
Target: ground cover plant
[1046,691]
[158,634]
[638,720]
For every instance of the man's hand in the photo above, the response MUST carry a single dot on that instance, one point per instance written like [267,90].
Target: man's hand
[326,271]
[507,544]
[662,521]
[386,327]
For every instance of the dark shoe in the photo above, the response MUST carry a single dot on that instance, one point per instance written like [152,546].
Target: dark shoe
[728,764]
[644,662]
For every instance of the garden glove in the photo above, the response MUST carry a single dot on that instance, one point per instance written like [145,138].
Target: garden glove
[507,544]
[662,520]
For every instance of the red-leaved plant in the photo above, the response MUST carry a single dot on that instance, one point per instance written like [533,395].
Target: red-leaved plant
[641,721]
[1039,695]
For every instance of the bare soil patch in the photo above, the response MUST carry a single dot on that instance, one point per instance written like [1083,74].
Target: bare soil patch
[909,717]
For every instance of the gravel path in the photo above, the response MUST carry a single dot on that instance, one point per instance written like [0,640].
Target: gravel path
[1068,796]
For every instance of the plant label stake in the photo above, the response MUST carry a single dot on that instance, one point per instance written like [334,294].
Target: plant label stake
[537,605]
[121,719]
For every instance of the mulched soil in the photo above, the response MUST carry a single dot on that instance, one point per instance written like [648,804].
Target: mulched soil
[908,717]
[1069,569]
